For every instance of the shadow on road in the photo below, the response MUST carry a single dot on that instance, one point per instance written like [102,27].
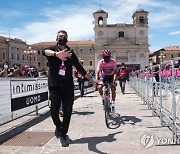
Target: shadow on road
[129,93]
[117,121]
[82,113]
[85,95]
[94,141]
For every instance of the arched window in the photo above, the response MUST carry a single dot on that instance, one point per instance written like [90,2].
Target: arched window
[121,34]
[141,20]
[100,20]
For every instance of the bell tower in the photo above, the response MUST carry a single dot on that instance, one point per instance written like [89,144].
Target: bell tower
[100,17]
[140,18]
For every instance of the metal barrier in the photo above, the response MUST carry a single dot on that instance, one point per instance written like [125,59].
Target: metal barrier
[161,92]
[22,96]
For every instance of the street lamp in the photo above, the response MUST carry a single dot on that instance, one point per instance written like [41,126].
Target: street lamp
[30,52]
[161,57]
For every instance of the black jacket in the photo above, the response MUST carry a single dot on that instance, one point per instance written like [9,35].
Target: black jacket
[54,79]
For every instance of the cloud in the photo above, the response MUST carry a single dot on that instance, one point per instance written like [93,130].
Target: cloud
[77,19]
[77,22]
[175,33]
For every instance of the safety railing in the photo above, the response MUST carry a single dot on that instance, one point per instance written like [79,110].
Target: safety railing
[159,87]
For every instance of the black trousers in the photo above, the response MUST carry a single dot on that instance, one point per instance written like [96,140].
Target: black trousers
[122,83]
[66,94]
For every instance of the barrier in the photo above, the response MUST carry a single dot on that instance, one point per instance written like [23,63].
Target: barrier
[22,96]
[161,92]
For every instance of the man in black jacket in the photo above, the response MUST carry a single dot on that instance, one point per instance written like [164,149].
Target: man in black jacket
[60,83]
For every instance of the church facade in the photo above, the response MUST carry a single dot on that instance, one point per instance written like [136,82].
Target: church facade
[128,42]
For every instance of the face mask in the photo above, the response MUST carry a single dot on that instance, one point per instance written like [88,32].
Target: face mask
[62,41]
[107,59]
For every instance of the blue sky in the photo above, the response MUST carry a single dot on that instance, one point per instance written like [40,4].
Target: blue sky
[36,21]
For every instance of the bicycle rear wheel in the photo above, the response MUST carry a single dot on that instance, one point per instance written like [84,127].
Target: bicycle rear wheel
[107,112]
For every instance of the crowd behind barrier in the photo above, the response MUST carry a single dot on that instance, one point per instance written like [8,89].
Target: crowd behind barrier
[22,96]
[161,92]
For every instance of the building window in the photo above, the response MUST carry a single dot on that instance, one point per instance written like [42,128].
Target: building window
[39,52]
[90,62]
[81,50]
[172,56]
[12,57]
[3,55]
[178,54]
[90,50]
[22,57]
[34,58]
[141,20]
[121,34]
[39,64]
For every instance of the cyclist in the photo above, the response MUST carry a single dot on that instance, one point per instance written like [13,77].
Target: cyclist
[106,72]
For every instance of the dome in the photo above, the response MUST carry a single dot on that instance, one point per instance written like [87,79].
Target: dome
[140,11]
[100,11]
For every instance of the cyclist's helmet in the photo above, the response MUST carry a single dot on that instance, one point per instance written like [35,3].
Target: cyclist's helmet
[106,53]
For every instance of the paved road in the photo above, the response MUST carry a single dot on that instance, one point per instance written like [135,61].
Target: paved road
[135,131]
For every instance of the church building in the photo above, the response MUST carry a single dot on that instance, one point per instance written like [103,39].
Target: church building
[128,42]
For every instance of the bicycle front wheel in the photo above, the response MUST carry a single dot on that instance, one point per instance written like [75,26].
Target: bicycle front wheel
[107,112]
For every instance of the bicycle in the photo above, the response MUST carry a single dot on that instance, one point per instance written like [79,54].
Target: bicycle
[107,103]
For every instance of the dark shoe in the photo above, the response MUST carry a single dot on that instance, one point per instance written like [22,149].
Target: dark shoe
[64,141]
[57,132]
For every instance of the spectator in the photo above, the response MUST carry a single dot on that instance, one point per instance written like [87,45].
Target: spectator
[122,75]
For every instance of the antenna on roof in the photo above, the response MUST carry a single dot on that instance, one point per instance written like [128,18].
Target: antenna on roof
[100,6]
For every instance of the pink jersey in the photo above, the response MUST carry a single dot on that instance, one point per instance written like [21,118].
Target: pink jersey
[107,68]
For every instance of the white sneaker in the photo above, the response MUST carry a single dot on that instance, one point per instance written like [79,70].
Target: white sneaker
[113,108]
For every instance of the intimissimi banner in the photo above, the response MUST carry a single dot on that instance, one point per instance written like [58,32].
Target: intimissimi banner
[25,93]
